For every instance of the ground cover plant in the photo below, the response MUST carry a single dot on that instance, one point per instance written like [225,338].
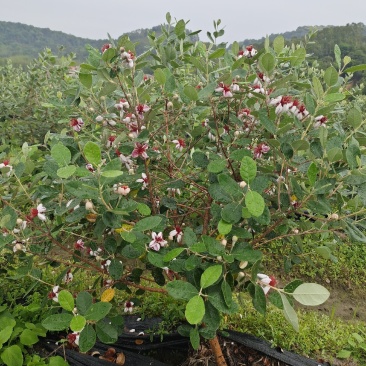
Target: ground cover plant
[181,177]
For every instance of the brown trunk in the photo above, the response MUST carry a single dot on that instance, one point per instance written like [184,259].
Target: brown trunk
[217,351]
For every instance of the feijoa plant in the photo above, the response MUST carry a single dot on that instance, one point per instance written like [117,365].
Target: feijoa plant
[179,165]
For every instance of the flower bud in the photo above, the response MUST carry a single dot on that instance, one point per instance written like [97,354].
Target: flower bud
[241,275]
[219,258]
[224,242]
[295,231]
[99,118]
[236,133]
[91,109]
[234,239]
[19,221]
[169,105]
[334,216]
[89,205]
[243,264]
[242,184]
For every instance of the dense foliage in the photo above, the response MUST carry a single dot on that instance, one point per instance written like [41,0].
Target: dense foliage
[180,178]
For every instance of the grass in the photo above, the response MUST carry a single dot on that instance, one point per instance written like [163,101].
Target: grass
[320,335]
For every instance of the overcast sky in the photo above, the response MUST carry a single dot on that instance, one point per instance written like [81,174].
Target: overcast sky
[242,18]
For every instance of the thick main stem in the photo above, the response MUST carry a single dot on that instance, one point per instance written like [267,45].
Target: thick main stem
[217,351]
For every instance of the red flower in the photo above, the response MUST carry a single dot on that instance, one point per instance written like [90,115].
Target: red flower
[140,150]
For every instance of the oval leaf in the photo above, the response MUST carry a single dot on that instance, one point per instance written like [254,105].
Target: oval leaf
[211,275]
[92,153]
[255,203]
[66,300]
[311,294]
[195,310]
[289,312]
[248,169]
[57,322]
[181,290]
[77,323]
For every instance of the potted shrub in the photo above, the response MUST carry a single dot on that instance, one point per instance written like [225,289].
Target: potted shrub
[179,165]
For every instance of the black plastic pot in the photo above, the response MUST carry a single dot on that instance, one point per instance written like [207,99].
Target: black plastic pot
[171,350]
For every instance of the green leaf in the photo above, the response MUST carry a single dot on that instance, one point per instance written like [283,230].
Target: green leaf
[312,173]
[323,251]
[147,223]
[217,53]
[86,79]
[266,122]
[289,312]
[57,361]
[109,54]
[180,28]
[115,269]
[298,57]
[87,338]
[66,171]
[190,92]
[216,166]
[344,353]
[279,44]
[248,169]
[98,311]
[337,55]
[292,286]
[174,253]
[259,300]
[317,87]
[194,338]
[207,91]
[57,322]
[189,237]
[217,299]
[334,97]
[83,302]
[107,89]
[213,246]
[352,153]
[211,275]
[353,69]
[287,150]
[159,76]
[77,323]
[195,310]
[226,291]
[224,227]
[66,300]
[267,62]
[28,337]
[200,159]
[311,294]
[12,356]
[92,153]
[230,186]
[354,117]
[331,76]
[111,173]
[61,154]
[231,213]
[181,290]
[143,209]
[255,203]
[5,334]
[106,332]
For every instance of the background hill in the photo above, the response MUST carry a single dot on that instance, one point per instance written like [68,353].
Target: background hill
[22,43]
